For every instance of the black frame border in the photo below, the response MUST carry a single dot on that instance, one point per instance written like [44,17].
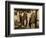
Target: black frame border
[7,18]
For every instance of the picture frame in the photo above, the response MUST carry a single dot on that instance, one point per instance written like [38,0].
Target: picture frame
[8,17]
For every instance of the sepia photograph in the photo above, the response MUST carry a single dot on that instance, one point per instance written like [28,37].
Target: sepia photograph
[26,18]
